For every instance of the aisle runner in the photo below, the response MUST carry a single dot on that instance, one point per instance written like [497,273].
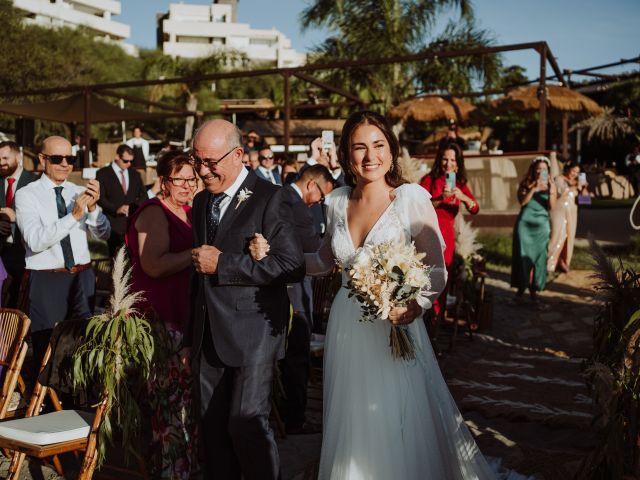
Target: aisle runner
[514,381]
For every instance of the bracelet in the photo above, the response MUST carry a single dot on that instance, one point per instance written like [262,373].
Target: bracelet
[471,206]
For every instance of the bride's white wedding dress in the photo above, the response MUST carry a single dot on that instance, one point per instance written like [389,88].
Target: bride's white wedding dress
[388,419]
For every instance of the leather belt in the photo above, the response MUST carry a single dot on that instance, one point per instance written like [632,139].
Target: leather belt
[74,269]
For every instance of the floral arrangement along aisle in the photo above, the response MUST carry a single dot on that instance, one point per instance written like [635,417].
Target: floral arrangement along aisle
[117,355]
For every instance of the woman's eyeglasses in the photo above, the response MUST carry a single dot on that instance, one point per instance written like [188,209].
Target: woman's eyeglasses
[57,159]
[197,162]
[179,181]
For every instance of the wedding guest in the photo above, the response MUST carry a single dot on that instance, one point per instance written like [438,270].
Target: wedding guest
[267,169]
[12,178]
[289,171]
[54,217]
[537,195]
[564,217]
[159,240]
[253,143]
[452,137]
[140,149]
[310,189]
[122,192]
[254,160]
[447,199]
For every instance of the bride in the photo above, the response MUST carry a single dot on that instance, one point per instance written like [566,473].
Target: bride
[385,418]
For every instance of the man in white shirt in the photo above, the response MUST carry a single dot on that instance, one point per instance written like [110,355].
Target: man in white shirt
[54,216]
[121,193]
[12,178]
[140,149]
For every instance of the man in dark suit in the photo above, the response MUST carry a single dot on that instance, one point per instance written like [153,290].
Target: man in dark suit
[310,189]
[12,178]
[267,170]
[239,306]
[121,192]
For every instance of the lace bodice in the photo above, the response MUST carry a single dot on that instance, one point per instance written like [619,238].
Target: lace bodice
[409,217]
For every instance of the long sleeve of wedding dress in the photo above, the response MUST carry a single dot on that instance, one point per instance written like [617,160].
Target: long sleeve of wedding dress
[424,230]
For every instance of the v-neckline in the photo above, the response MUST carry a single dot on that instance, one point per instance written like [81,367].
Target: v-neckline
[373,227]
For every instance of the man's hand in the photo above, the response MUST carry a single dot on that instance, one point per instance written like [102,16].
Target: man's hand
[8,214]
[93,192]
[316,149]
[259,247]
[123,210]
[205,259]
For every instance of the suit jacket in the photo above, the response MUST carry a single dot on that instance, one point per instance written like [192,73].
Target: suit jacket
[17,250]
[274,171]
[112,197]
[301,294]
[245,302]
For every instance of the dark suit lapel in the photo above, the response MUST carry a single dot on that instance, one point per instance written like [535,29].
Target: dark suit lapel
[235,207]
[200,218]
[3,199]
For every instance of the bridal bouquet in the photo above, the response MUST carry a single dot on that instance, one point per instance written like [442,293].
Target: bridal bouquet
[385,276]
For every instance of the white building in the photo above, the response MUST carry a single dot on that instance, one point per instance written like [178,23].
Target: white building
[92,14]
[193,31]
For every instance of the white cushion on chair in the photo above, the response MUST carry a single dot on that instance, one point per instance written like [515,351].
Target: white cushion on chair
[55,427]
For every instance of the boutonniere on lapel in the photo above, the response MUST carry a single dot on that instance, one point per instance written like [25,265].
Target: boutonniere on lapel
[243,196]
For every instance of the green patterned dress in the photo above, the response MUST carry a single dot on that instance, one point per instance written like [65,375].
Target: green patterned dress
[530,242]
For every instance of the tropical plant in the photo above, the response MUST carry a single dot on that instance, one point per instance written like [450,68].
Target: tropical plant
[613,372]
[383,28]
[117,354]
[607,127]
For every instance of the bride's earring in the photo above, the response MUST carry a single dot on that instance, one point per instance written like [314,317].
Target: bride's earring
[392,167]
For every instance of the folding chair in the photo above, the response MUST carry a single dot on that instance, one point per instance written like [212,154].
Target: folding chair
[14,326]
[48,435]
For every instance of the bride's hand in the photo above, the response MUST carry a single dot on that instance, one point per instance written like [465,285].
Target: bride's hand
[259,247]
[405,315]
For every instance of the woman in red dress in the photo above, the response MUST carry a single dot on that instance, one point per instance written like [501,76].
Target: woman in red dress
[159,239]
[447,200]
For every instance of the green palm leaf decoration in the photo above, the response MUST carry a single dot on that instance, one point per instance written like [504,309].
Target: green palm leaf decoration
[117,355]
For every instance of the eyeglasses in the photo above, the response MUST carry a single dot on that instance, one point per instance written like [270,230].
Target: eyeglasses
[321,201]
[125,161]
[265,157]
[197,162]
[57,159]
[179,181]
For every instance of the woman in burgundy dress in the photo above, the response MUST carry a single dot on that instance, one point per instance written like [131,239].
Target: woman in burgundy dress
[447,201]
[159,241]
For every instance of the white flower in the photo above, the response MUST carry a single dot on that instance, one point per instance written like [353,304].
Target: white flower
[243,195]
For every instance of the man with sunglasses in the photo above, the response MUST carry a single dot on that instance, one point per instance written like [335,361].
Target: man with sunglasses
[121,192]
[267,170]
[54,216]
[239,306]
[310,189]
[12,178]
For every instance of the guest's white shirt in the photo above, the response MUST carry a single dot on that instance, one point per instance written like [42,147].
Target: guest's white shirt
[140,142]
[334,173]
[297,189]
[268,174]
[231,192]
[117,169]
[42,230]
[76,148]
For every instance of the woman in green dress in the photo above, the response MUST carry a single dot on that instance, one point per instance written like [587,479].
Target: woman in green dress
[537,195]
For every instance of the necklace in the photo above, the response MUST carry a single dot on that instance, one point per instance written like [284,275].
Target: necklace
[168,203]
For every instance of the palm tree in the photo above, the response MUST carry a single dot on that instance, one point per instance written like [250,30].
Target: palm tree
[361,29]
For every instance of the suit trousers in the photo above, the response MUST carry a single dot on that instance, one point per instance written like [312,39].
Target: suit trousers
[294,369]
[235,403]
[54,297]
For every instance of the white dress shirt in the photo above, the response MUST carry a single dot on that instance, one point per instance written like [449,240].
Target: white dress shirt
[231,192]
[297,189]
[140,142]
[267,174]
[42,230]
[117,169]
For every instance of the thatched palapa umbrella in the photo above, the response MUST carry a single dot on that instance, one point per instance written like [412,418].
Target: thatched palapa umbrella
[561,101]
[432,108]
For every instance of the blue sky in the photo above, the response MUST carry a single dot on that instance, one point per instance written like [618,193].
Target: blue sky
[580,33]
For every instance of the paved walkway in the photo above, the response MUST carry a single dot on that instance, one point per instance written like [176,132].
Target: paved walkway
[518,385]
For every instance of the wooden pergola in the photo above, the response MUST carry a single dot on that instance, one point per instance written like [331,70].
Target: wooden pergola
[303,73]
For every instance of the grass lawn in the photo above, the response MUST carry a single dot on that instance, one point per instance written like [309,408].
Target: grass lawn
[497,250]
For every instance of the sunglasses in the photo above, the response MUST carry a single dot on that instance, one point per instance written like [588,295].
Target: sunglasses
[197,162]
[265,157]
[126,161]
[57,159]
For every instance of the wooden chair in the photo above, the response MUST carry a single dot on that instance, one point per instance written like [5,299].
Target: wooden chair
[14,326]
[48,435]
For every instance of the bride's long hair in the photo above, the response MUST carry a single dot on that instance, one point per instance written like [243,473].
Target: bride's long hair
[366,117]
